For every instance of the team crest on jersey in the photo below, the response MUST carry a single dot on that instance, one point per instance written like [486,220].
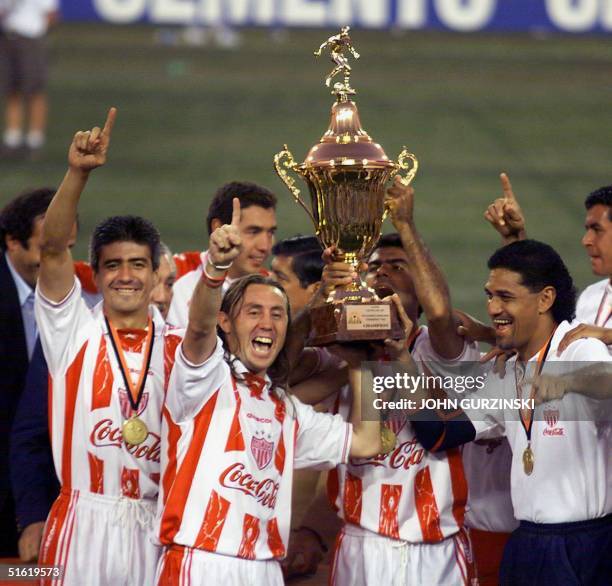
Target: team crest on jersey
[262,449]
[551,416]
[126,407]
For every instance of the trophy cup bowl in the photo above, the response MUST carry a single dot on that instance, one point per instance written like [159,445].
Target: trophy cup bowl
[346,174]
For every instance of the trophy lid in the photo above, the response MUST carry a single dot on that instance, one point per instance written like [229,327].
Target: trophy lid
[346,142]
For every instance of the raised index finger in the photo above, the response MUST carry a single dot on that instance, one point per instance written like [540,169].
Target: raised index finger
[235,212]
[110,122]
[507,187]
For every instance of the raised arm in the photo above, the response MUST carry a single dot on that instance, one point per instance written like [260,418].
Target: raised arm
[505,214]
[429,282]
[87,152]
[223,247]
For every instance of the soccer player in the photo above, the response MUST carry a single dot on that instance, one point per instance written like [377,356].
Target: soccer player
[107,373]
[257,232]
[560,478]
[404,513]
[233,435]
[297,265]
[594,307]
[161,295]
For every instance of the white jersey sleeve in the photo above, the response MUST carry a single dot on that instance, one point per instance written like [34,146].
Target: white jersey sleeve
[323,440]
[192,384]
[62,326]
[182,291]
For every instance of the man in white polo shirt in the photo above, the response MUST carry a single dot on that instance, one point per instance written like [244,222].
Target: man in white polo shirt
[561,482]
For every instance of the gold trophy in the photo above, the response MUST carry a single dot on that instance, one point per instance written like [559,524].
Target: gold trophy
[346,174]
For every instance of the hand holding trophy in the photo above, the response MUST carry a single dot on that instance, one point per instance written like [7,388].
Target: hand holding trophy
[346,174]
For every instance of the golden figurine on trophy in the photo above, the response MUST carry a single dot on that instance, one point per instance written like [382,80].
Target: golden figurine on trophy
[346,173]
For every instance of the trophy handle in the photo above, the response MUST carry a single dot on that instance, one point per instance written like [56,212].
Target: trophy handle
[283,163]
[404,165]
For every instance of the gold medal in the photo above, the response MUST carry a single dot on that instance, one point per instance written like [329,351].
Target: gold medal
[388,439]
[528,460]
[134,431]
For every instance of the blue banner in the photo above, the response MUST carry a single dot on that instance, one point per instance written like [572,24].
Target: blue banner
[575,16]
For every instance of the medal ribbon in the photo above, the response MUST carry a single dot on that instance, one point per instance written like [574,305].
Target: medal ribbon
[602,305]
[527,421]
[135,392]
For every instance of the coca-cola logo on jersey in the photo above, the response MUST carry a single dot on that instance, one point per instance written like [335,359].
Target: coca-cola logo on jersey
[263,491]
[104,435]
[407,454]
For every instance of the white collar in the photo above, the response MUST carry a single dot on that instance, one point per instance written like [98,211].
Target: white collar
[240,368]
[23,289]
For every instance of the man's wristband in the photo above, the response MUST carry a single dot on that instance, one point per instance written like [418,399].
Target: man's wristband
[212,282]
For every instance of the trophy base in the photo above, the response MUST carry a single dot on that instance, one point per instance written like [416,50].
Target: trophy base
[353,320]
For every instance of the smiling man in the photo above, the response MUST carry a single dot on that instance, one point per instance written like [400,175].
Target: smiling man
[560,475]
[594,307]
[107,372]
[257,230]
[234,435]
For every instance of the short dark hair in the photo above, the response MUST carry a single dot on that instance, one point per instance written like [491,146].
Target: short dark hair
[17,217]
[305,252]
[124,229]
[539,266]
[249,194]
[601,196]
[389,240]
[230,305]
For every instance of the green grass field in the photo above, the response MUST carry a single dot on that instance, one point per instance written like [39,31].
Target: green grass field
[468,106]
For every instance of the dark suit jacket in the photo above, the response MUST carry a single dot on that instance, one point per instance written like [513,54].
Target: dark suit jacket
[35,485]
[13,367]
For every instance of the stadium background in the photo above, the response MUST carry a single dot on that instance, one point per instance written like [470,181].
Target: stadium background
[534,103]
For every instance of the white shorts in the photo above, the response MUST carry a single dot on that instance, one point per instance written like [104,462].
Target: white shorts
[186,566]
[100,540]
[363,558]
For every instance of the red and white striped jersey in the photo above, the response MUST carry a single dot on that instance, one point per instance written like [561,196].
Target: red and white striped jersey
[232,445]
[408,494]
[88,401]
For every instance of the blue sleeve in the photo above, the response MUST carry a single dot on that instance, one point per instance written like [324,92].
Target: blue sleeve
[33,478]
[437,434]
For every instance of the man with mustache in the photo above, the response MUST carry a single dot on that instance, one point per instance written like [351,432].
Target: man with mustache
[234,435]
[594,307]
[560,474]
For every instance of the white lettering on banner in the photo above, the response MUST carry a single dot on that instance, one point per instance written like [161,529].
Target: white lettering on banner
[172,11]
[606,15]
[462,15]
[573,15]
[367,13]
[411,13]
[303,13]
[239,12]
[120,11]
